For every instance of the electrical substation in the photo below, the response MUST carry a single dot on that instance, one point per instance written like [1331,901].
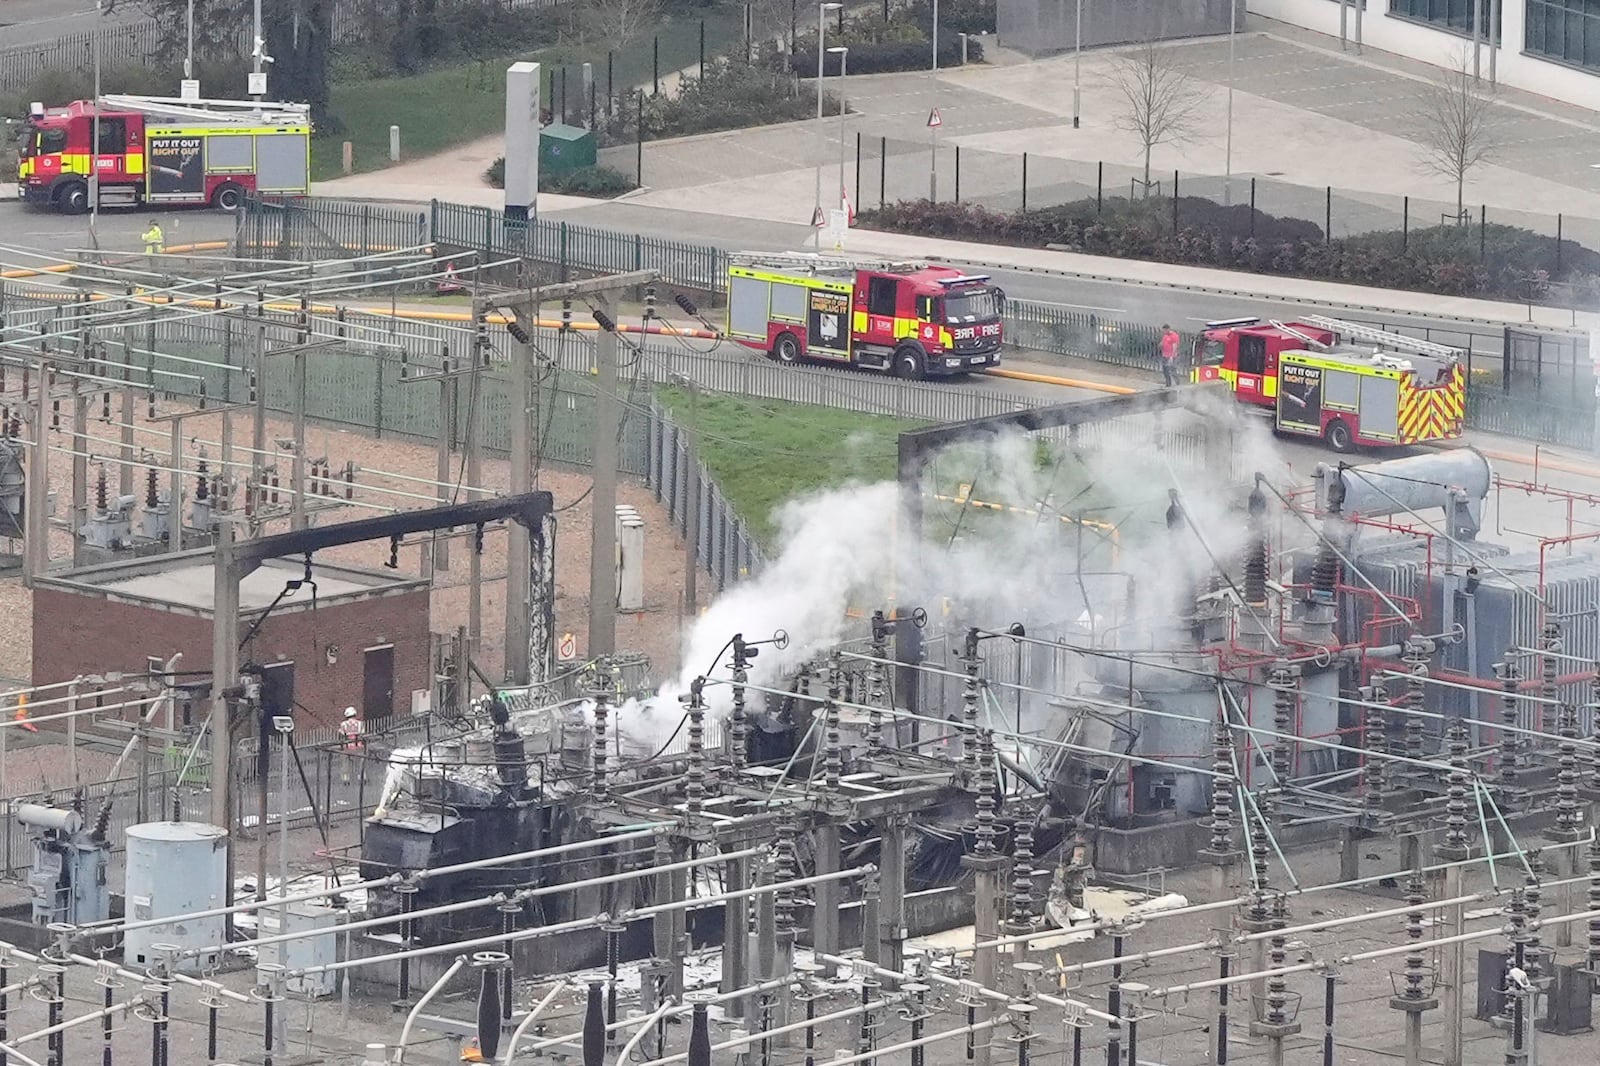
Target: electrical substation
[1099,735]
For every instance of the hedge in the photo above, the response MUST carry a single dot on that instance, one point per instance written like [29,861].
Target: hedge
[887,57]
[598,181]
[1514,263]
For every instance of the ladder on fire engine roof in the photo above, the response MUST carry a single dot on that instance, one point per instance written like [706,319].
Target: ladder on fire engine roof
[816,263]
[1304,338]
[1398,341]
[213,112]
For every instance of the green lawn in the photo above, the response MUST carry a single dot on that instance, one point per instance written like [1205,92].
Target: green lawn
[765,452]
[463,102]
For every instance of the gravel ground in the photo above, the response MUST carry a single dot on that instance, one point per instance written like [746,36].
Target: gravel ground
[655,631]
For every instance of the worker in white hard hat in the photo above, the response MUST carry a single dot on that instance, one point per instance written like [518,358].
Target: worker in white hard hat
[350,728]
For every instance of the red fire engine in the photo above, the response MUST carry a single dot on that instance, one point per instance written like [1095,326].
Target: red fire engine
[157,150]
[1348,384]
[911,319]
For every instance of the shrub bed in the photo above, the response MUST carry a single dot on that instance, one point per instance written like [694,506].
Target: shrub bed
[732,96]
[1514,263]
[598,181]
[900,43]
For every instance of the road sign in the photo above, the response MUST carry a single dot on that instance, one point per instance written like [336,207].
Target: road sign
[934,119]
[818,219]
[567,648]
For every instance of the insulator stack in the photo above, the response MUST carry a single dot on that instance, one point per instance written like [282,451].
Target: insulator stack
[1516,929]
[649,303]
[969,714]
[350,480]
[602,711]
[1258,863]
[1455,804]
[202,483]
[55,415]
[695,789]
[1594,730]
[1415,974]
[105,407]
[1594,906]
[878,681]
[102,501]
[1256,557]
[786,867]
[1282,683]
[1376,735]
[1022,874]
[1415,657]
[1277,957]
[152,497]
[739,722]
[1324,574]
[1533,903]
[273,495]
[986,786]
[1569,817]
[1511,741]
[833,750]
[1221,787]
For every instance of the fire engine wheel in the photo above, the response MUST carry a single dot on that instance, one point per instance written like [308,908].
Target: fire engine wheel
[1338,436]
[786,349]
[908,364]
[73,198]
[229,197]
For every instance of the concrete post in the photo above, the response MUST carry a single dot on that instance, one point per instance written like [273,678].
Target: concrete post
[892,889]
[736,935]
[224,674]
[80,470]
[519,601]
[1452,974]
[987,872]
[829,894]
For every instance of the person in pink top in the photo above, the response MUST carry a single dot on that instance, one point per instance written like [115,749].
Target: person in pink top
[1170,343]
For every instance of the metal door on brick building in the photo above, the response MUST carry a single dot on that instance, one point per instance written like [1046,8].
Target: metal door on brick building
[377,685]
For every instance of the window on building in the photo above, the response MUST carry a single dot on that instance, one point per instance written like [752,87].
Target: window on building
[1452,15]
[1567,30]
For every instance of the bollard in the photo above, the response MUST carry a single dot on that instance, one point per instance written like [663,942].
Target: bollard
[394,144]
[348,157]
[699,1039]
[490,963]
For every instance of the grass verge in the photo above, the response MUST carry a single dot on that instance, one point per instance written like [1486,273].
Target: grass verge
[439,109]
[764,453]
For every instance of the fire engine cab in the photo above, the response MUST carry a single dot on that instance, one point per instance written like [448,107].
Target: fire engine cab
[910,319]
[157,150]
[1348,384]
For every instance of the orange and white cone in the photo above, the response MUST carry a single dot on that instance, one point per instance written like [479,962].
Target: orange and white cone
[449,283]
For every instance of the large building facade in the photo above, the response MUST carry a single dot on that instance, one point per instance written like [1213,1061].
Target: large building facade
[1549,47]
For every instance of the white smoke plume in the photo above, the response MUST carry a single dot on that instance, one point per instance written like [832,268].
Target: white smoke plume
[839,550]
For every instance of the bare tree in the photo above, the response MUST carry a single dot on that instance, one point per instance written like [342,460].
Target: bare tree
[1163,105]
[618,21]
[1456,127]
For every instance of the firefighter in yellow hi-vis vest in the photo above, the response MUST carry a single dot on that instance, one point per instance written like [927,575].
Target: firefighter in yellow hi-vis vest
[155,242]
[21,717]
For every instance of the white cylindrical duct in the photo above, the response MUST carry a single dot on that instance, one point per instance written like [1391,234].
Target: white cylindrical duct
[1435,480]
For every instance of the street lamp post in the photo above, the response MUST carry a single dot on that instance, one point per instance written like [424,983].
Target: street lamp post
[188,54]
[844,60]
[1227,165]
[94,150]
[1077,67]
[936,36]
[822,31]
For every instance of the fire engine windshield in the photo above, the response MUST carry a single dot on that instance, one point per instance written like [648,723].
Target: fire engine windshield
[971,305]
[34,141]
[1210,352]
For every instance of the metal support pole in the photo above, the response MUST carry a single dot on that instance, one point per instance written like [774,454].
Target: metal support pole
[603,500]
[519,573]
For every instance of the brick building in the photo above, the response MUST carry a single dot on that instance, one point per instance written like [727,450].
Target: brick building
[362,642]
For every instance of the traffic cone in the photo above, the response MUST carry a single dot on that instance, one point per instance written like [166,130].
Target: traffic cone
[449,283]
[22,713]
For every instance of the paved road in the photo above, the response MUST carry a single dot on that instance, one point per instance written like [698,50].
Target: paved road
[25,22]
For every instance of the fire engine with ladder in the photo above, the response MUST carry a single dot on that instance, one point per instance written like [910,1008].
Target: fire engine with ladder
[911,319]
[159,150]
[1348,384]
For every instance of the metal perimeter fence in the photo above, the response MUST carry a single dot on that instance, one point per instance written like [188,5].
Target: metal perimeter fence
[370,384]
[1533,383]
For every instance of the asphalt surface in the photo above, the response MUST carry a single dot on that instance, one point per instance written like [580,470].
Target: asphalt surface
[25,22]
